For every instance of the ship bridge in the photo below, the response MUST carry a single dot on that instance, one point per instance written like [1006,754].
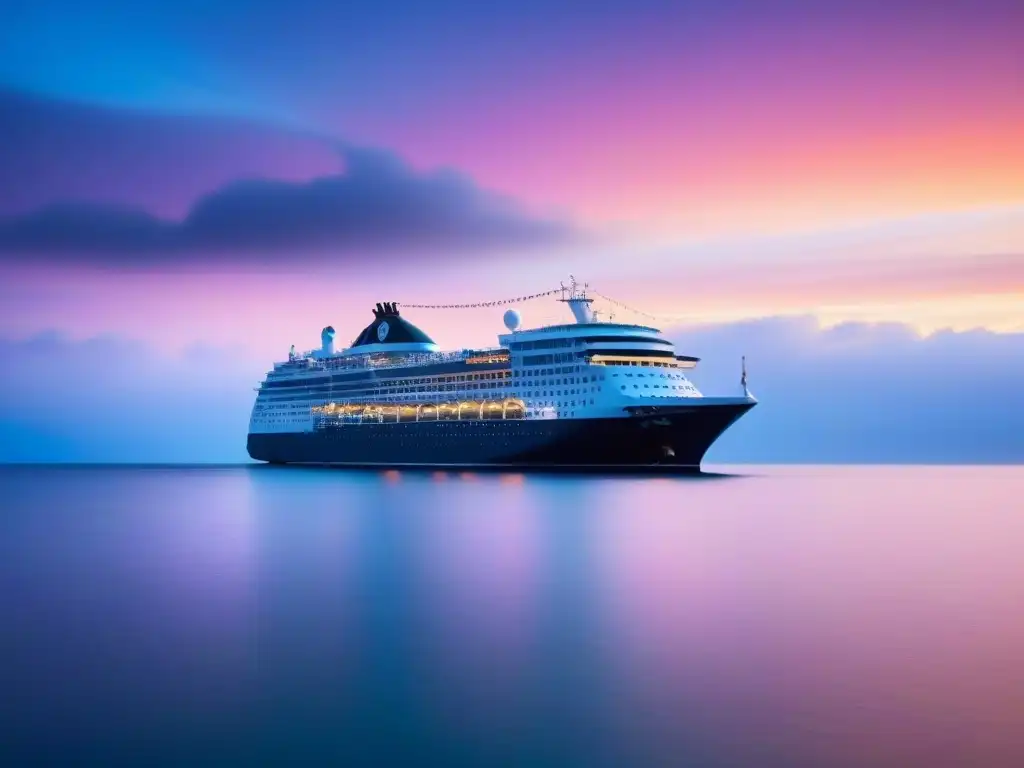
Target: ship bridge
[591,341]
[596,343]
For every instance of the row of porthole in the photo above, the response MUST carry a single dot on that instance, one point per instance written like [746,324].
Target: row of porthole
[382,393]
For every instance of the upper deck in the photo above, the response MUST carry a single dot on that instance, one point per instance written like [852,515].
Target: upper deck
[594,342]
[392,343]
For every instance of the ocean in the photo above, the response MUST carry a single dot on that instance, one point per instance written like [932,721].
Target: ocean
[762,616]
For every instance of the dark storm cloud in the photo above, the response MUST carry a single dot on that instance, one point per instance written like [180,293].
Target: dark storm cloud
[157,162]
[376,204]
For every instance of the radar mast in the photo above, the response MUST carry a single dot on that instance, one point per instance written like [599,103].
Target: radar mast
[578,301]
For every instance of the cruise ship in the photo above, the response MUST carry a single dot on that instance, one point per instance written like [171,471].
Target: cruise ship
[588,394]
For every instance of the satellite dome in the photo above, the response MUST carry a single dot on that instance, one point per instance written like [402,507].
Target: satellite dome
[512,320]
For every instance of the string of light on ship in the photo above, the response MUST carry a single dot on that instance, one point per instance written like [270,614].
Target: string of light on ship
[521,299]
[517,300]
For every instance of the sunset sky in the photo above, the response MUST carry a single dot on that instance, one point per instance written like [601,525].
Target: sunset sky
[239,174]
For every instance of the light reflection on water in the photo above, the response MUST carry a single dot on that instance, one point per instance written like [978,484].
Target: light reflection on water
[799,616]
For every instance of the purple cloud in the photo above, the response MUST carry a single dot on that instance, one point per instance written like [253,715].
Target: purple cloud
[376,204]
[53,151]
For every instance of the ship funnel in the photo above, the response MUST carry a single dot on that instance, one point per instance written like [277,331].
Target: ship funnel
[327,340]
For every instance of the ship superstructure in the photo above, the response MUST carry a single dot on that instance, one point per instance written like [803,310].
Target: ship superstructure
[590,393]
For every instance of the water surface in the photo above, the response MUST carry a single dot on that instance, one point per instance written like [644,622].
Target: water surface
[766,616]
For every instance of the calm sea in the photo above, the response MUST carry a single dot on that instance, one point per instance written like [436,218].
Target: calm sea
[821,616]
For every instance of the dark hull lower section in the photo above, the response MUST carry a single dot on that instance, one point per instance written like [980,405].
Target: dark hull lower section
[671,439]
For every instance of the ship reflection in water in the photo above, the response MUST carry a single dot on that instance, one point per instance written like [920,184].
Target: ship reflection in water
[820,616]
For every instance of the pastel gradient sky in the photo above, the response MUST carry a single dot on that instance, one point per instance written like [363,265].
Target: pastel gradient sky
[240,174]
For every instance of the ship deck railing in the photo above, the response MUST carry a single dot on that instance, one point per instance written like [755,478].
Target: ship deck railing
[404,360]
